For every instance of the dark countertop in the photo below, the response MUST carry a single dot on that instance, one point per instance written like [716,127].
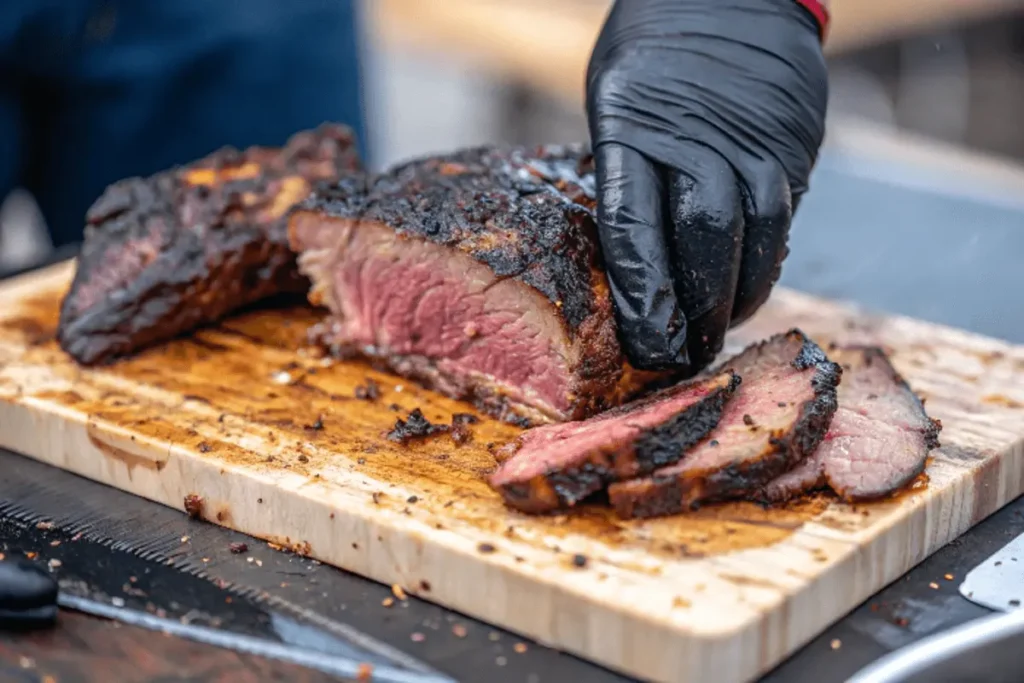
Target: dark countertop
[933,254]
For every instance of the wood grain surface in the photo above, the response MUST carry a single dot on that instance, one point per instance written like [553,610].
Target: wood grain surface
[273,442]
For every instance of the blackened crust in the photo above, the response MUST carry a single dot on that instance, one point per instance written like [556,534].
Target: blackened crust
[653,448]
[528,215]
[667,495]
[182,248]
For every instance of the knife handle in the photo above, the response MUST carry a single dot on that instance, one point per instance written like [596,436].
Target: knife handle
[28,596]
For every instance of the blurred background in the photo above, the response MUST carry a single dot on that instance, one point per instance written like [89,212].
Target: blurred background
[920,185]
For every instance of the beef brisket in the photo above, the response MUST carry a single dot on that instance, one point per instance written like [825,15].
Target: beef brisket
[556,466]
[879,438]
[182,248]
[478,275]
[778,416]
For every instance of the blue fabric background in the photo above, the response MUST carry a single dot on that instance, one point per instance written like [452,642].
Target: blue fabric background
[92,91]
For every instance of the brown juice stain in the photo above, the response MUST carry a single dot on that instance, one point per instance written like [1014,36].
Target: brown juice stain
[131,460]
[237,370]
[1000,400]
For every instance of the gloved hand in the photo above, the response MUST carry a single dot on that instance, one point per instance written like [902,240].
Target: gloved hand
[706,117]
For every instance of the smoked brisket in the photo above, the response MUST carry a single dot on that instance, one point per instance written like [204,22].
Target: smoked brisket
[879,438]
[778,416]
[476,274]
[556,466]
[165,254]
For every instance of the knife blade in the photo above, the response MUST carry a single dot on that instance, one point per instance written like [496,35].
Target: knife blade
[120,550]
[998,582]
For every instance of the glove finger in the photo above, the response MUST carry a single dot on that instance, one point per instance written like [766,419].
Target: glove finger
[768,211]
[630,219]
[707,218]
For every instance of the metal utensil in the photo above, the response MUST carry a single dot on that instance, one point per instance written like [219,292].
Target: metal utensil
[986,649]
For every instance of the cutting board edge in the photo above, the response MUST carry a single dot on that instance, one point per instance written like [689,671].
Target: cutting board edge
[642,650]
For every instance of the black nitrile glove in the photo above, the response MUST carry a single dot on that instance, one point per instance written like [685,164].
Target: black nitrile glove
[28,596]
[706,117]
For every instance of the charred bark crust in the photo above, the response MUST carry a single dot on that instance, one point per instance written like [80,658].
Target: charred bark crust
[666,495]
[653,448]
[527,214]
[165,254]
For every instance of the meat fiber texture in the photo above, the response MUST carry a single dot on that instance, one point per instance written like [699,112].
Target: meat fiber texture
[165,254]
[476,274]
[879,438]
[556,466]
[778,416]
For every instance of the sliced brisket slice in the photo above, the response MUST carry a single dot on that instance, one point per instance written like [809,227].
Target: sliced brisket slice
[168,253]
[477,274]
[780,413]
[879,438]
[556,466]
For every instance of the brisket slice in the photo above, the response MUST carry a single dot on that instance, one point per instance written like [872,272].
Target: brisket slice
[557,466]
[477,274]
[182,248]
[879,438]
[779,415]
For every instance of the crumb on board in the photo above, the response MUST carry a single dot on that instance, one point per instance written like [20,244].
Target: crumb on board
[836,644]
[370,391]
[417,637]
[934,586]
[364,673]
[194,505]
[415,426]
[520,648]
[399,592]
[459,631]
[387,602]
[44,526]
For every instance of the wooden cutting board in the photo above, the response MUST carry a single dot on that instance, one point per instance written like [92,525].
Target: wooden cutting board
[276,445]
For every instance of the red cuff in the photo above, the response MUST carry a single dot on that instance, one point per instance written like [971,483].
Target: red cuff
[819,9]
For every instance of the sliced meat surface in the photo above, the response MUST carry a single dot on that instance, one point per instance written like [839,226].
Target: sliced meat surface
[478,275]
[779,415]
[165,254]
[878,441]
[556,466]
